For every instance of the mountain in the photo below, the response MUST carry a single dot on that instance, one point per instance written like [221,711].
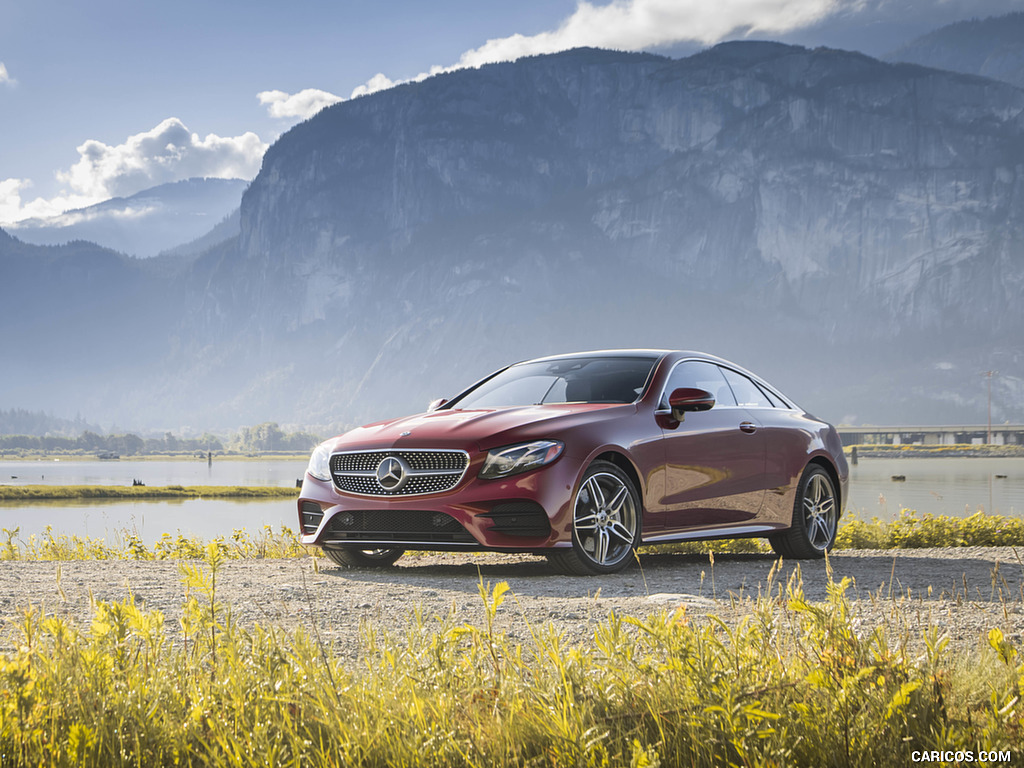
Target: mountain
[83,327]
[992,47]
[848,228]
[145,223]
[227,229]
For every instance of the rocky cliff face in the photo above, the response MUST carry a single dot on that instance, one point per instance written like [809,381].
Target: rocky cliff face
[778,204]
[848,228]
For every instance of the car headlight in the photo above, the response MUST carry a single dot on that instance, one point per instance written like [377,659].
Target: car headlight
[513,459]
[320,462]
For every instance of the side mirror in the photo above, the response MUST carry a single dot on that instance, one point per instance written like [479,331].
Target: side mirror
[435,404]
[689,399]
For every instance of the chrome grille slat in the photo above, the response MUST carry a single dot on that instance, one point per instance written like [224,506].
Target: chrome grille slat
[430,471]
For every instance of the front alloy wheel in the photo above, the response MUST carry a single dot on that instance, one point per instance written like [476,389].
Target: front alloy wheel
[815,517]
[606,523]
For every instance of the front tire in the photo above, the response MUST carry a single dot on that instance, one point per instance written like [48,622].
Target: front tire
[352,557]
[815,518]
[605,525]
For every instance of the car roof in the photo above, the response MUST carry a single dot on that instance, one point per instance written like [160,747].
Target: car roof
[624,353]
[678,354]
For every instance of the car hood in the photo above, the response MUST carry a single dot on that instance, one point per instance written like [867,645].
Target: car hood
[479,429]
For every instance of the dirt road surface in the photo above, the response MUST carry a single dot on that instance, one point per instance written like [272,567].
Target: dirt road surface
[964,591]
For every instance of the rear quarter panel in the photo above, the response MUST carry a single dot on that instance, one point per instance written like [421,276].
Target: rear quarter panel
[794,439]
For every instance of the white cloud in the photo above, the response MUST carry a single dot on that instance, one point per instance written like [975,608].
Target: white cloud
[629,25]
[13,208]
[308,102]
[10,198]
[5,77]
[169,152]
[378,82]
[302,105]
[634,25]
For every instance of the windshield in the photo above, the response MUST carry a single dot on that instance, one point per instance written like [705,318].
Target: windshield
[569,380]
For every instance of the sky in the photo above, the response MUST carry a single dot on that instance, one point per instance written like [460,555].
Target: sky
[106,98]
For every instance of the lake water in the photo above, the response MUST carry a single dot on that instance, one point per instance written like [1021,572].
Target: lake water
[147,519]
[947,486]
[195,472]
[941,486]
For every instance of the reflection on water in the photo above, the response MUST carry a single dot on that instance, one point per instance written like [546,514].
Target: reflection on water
[940,486]
[187,472]
[147,519]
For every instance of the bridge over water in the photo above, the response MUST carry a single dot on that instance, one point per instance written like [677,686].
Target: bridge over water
[970,434]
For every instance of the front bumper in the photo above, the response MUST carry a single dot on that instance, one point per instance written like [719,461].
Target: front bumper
[522,513]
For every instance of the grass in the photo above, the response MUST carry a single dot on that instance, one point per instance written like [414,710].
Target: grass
[22,455]
[792,683]
[58,492]
[908,530]
[127,545]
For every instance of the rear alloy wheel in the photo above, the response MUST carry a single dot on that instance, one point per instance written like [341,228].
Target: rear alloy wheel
[605,525]
[815,518]
[351,557]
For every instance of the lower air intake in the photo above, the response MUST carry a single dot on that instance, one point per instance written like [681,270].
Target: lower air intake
[395,526]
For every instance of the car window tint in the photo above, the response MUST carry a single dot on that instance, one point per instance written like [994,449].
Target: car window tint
[527,390]
[566,380]
[773,399]
[747,393]
[698,375]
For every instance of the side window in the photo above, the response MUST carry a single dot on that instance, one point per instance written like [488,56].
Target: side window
[747,393]
[696,374]
[774,399]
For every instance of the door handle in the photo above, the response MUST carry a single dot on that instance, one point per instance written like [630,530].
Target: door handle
[748,426]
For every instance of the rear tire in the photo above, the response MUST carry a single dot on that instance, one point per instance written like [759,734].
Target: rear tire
[605,525]
[352,557]
[815,518]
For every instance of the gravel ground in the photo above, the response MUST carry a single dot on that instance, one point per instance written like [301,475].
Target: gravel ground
[965,591]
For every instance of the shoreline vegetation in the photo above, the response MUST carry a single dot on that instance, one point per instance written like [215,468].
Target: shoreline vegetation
[959,451]
[788,681]
[196,456]
[908,530]
[133,492]
[266,438]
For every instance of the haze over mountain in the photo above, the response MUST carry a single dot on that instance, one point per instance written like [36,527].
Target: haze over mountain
[992,47]
[143,224]
[850,229]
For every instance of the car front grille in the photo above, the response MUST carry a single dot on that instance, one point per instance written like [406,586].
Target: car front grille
[424,471]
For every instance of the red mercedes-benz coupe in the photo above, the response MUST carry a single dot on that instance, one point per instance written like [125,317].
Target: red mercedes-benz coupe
[582,458]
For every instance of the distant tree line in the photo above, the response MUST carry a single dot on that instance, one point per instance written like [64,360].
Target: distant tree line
[18,421]
[262,438]
[270,437]
[124,444]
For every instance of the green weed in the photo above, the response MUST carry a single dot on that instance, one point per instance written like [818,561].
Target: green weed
[58,492]
[794,682]
[127,545]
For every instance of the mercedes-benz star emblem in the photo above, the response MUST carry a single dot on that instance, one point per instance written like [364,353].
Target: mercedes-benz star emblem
[392,473]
